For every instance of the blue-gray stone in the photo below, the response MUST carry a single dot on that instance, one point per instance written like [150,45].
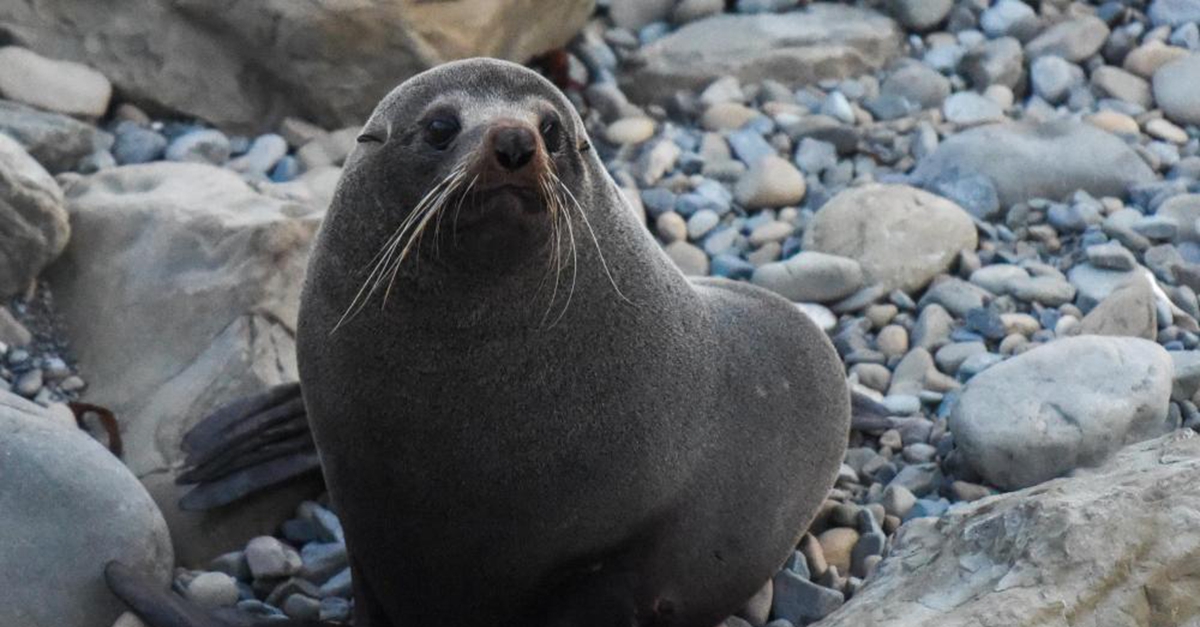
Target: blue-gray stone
[657,201]
[749,146]
[337,586]
[798,564]
[986,322]
[801,601]
[137,144]
[287,169]
[731,267]
[971,191]
[977,363]
[334,609]
[1174,12]
[1074,218]
[814,156]
[920,479]
[653,32]
[201,146]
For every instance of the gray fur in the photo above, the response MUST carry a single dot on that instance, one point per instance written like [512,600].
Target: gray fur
[651,455]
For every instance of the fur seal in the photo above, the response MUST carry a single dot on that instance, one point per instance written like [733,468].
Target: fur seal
[525,414]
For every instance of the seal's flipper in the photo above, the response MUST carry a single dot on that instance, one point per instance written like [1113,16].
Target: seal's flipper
[247,446]
[160,608]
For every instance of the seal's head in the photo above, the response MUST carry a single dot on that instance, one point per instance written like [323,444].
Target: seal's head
[472,162]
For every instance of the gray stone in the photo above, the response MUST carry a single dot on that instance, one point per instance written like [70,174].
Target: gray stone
[1095,284]
[1016,559]
[1175,89]
[902,236]
[1074,39]
[56,141]
[811,277]
[1130,310]
[933,327]
[956,295]
[997,62]
[918,84]
[68,507]
[771,182]
[33,224]
[800,601]
[200,146]
[1000,278]
[268,558]
[949,357]
[824,41]
[212,590]
[968,108]
[921,14]
[1174,12]
[1111,256]
[1048,160]
[1009,18]
[58,86]
[1047,290]
[1117,83]
[814,156]
[1053,77]
[1060,406]
[1184,210]
[691,260]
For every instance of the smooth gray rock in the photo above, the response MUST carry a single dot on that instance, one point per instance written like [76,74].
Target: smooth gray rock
[1074,39]
[1175,89]
[1053,77]
[33,223]
[921,14]
[1184,210]
[1130,310]
[1067,404]
[811,277]
[917,83]
[1048,160]
[67,507]
[823,41]
[902,236]
[53,85]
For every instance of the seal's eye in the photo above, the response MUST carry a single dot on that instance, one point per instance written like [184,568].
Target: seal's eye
[551,133]
[439,132]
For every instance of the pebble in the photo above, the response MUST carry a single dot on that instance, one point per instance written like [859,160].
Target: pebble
[268,557]
[212,590]
[771,182]
[51,84]
[691,260]
[968,109]
[630,131]
[200,146]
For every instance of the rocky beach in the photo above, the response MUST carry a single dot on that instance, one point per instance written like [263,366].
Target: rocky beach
[991,207]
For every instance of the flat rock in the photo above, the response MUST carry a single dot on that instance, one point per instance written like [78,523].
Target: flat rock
[67,507]
[1184,210]
[1017,559]
[901,236]
[224,332]
[822,41]
[33,223]
[811,277]
[1175,89]
[1030,160]
[1067,404]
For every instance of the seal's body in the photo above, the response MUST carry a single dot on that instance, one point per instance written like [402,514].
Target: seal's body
[500,455]
[525,414]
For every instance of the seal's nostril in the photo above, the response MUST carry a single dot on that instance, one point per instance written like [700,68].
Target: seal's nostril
[514,147]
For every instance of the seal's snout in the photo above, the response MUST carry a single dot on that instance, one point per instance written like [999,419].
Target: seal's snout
[512,146]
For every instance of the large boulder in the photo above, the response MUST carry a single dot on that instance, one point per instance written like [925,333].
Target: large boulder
[1064,405]
[1111,546]
[901,236]
[68,507]
[1031,160]
[181,297]
[244,65]
[33,223]
[823,41]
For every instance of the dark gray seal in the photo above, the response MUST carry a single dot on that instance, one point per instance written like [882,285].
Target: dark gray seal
[525,414]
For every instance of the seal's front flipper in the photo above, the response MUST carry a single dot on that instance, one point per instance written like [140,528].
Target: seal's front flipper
[160,608]
[247,446]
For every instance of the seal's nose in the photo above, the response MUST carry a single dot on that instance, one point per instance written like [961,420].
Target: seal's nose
[513,147]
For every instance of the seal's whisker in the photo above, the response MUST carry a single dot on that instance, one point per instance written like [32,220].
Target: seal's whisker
[595,240]
[555,250]
[382,259]
[414,237]
[574,268]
